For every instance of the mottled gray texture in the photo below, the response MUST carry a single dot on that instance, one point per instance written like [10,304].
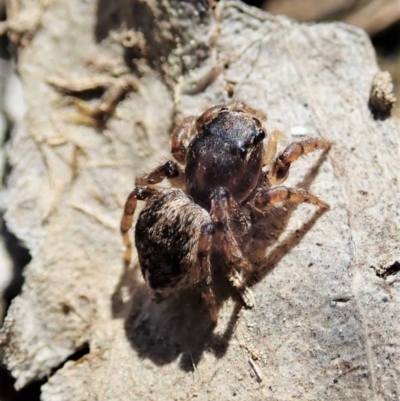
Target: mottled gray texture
[325,324]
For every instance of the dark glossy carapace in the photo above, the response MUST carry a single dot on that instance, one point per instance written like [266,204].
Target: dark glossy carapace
[226,152]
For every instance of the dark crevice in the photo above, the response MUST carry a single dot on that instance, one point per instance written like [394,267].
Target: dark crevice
[255,3]
[32,391]
[4,42]
[7,136]
[83,350]
[387,42]
[78,354]
[20,257]
[343,299]
[390,271]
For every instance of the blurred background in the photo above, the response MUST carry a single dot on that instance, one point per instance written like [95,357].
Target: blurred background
[379,18]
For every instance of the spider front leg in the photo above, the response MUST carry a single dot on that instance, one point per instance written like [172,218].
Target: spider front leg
[222,203]
[205,279]
[271,145]
[169,170]
[181,133]
[139,193]
[265,198]
[280,169]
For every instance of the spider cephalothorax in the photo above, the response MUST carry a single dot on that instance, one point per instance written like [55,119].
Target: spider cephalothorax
[221,179]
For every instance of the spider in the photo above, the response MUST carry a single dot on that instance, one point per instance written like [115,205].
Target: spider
[219,183]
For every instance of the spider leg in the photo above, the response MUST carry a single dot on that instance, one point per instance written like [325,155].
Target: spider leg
[181,133]
[203,255]
[240,106]
[271,196]
[271,146]
[221,201]
[236,279]
[139,193]
[143,190]
[169,170]
[280,169]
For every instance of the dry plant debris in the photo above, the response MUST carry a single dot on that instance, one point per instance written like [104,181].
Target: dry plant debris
[382,98]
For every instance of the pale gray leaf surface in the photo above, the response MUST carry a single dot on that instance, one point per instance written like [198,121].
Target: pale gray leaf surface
[325,325]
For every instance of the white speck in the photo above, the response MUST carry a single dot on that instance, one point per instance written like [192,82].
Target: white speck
[299,130]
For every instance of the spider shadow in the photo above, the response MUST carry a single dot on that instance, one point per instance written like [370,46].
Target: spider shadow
[180,327]
[265,248]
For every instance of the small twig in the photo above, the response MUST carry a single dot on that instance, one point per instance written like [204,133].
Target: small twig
[76,86]
[257,370]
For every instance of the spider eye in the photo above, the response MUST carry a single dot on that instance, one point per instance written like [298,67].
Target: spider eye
[242,152]
[259,136]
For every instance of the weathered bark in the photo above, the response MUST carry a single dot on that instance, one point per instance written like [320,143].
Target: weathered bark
[326,321]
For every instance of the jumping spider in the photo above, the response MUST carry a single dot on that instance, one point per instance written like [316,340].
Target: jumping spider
[220,187]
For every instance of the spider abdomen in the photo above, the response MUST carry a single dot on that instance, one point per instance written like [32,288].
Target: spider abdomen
[166,236]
